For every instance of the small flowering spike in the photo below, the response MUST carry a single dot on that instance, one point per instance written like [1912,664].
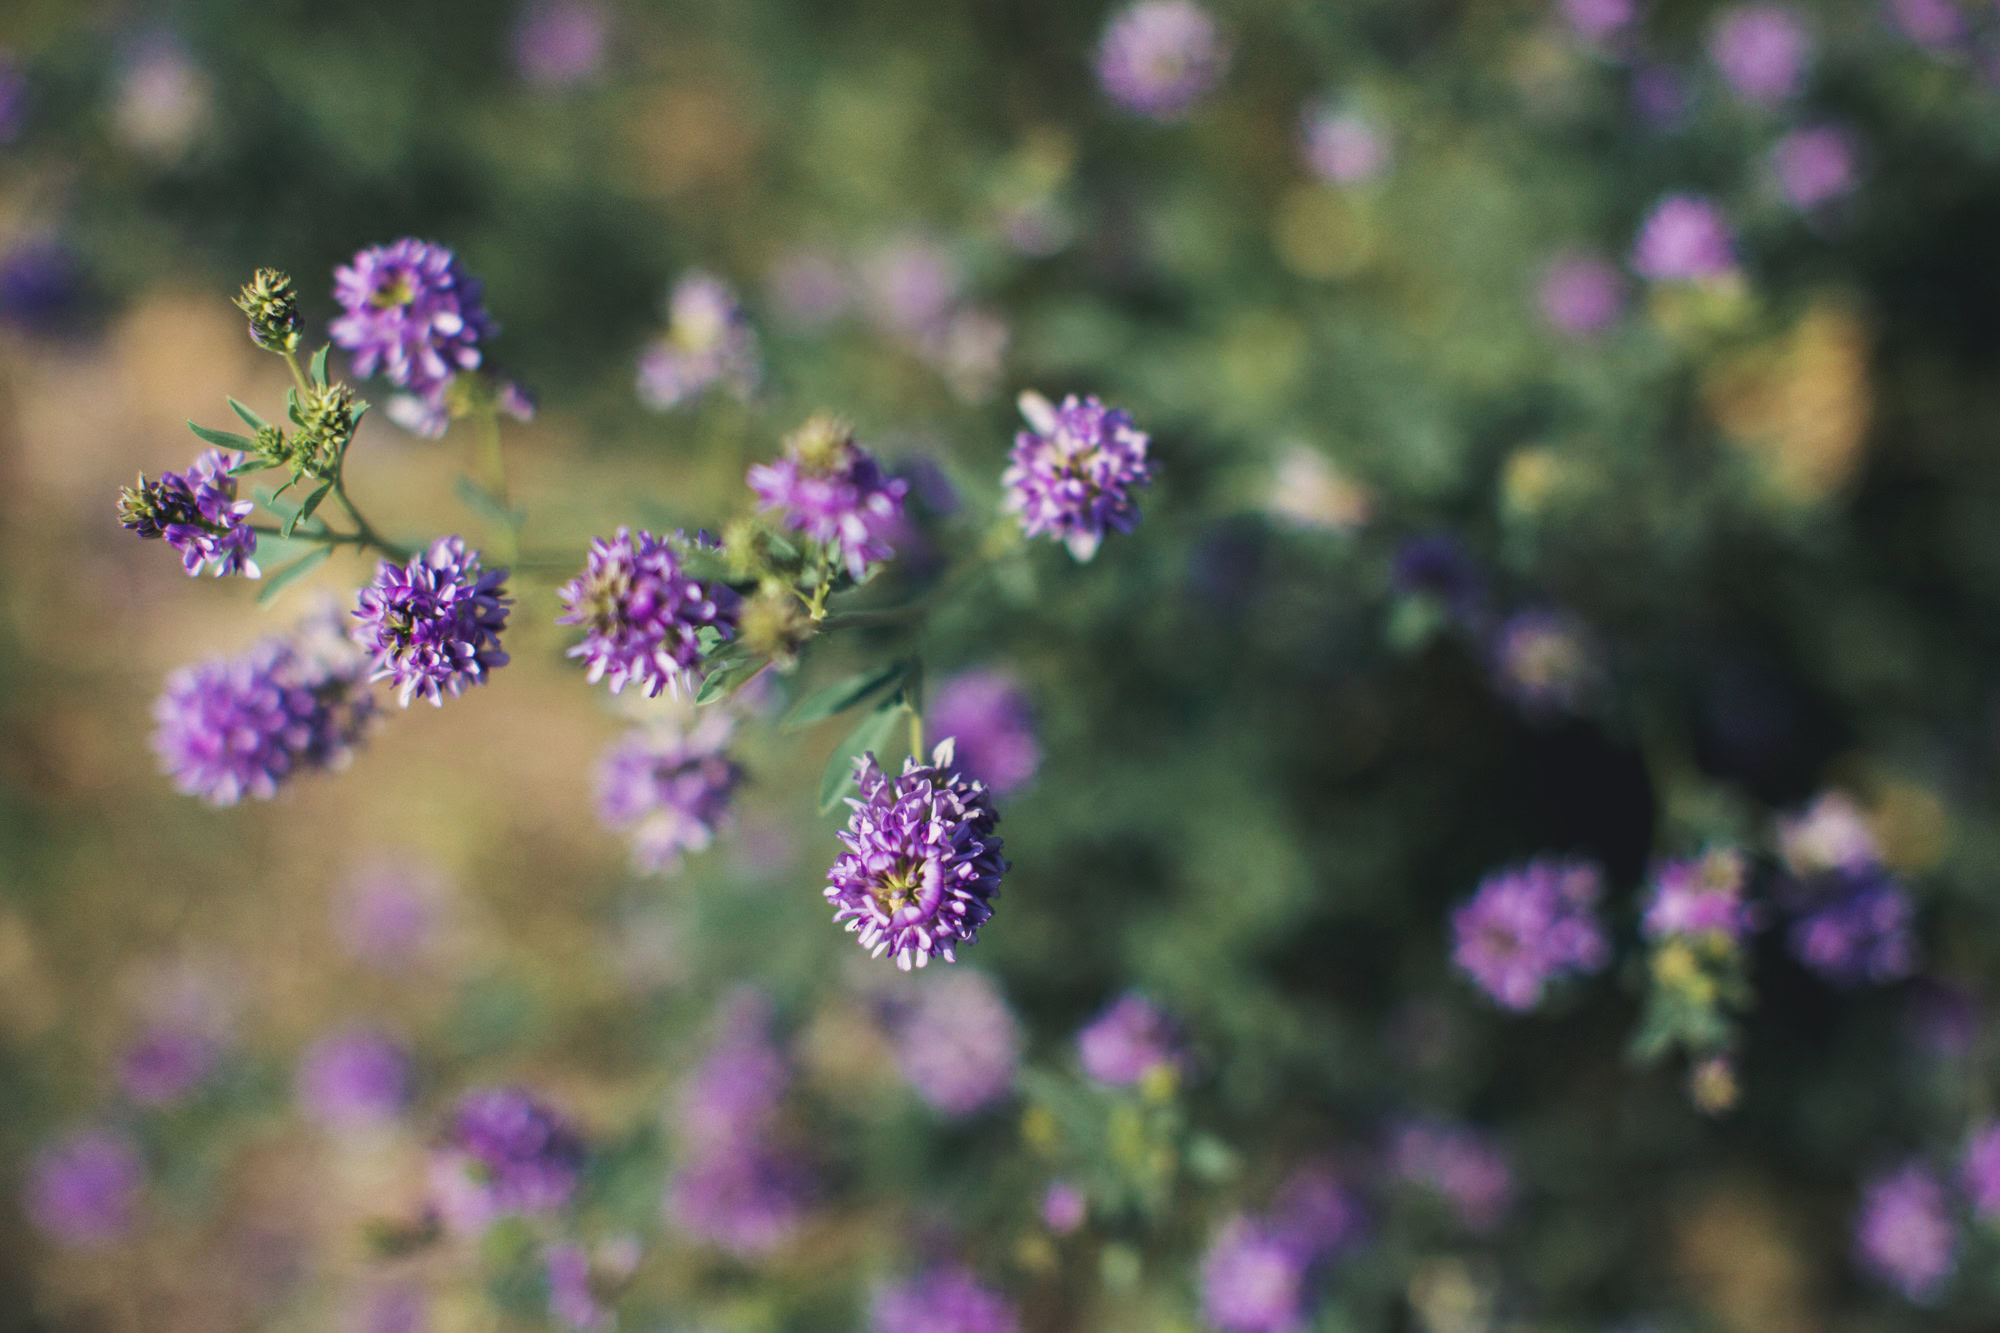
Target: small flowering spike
[1132,1040]
[671,789]
[708,342]
[1905,1235]
[1685,238]
[272,304]
[1700,898]
[1072,476]
[834,491]
[327,417]
[644,615]
[506,1154]
[411,312]
[198,514]
[433,625]
[922,864]
[1529,925]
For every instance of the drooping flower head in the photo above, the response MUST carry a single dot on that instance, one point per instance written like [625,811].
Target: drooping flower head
[1253,1280]
[922,865]
[1073,475]
[1700,897]
[1684,239]
[1528,926]
[1131,1040]
[1814,166]
[506,1153]
[1904,1234]
[1580,295]
[1546,662]
[943,1300]
[411,312]
[1342,146]
[83,1190]
[433,626]
[957,1042]
[352,1080]
[166,1065]
[708,342]
[232,727]
[987,716]
[644,616]
[1761,51]
[1459,1165]
[198,514]
[1160,58]
[670,788]
[833,490]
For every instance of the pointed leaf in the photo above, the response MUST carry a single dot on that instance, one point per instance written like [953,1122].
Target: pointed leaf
[319,365]
[293,572]
[482,502]
[312,501]
[842,695]
[249,465]
[222,439]
[871,735]
[726,677]
[250,419]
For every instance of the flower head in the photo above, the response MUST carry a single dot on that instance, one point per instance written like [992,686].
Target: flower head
[1904,1234]
[1935,25]
[1761,51]
[1831,834]
[1546,661]
[1064,1207]
[1600,21]
[957,1042]
[1580,295]
[922,865]
[1530,925]
[1458,1164]
[1160,58]
[1316,1213]
[1130,1040]
[708,342]
[433,625]
[83,1190]
[353,1079]
[988,718]
[732,1097]
[834,491]
[506,1153]
[1253,1280]
[1342,147]
[559,42]
[943,1300]
[1684,239]
[1072,476]
[271,303]
[1702,896]
[166,1065]
[1979,1170]
[1856,929]
[1814,166]
[572,1302]
[198,514]
[745,1200]
[644,616]
[411,312]
[670,788]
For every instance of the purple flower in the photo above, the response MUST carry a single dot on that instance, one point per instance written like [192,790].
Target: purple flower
[1072,476]
[943,1300]
[410,312]
[83,1190]
[746,1200]
[957,1042]
[1530,925]
[1253,1280]
[1160,58]
[1830,834]
[988,719]
[1702,896]
[165,1066]
[708,341]
[1935,25]
[1761,51]
[808,289]
[1599,21]
[911,283]
[1546,662]
[922,865]
[732,1097]
[558,43]
[433,625]
[232,727]
[1660,97]
[1342,147]
[1814,166]
[1064,1207]
[506,1154]
[198,514]
[1904,1234]
[1979,1170]
[571,1300]
[387,915]
[1315,1213]
[1130,1040]
[1437,567]
[1459,1165]
[41,285]
[13,97]
[834,491]
[353,1080]
[1580,295]
[430,413]
[1856,930]
[670,789]
[643,615]
[393,1307]
[1684,239]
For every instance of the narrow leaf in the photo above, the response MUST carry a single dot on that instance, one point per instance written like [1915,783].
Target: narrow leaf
[871,735]
[250,419]
[293,572]
[842,695]
[249,465]
[726,677]
[319,365]
[312,501]
[482,502]
[222,439]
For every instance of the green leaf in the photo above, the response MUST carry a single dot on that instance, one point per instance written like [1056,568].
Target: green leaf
[842,695]
[250,419]
[483,503]
[223,439]
[292,573]
[319,365]
[249,465]
[312,501]
[871,735]
[269,498]
[726,677]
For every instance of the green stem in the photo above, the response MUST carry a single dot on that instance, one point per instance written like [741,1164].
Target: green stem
[363,528]
[495,455]
[916,734]
[298,376]
[321,538]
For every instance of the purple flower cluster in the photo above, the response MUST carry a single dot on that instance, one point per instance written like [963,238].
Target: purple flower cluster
[1935,25]
[1814,166]
[1581,295]
[411,312]
[922,865]
[1257,1276]
[1761,52]
[957,1042]
[1436,566]
[1073,474]
[643,615]
[83,1190]
[670,788]
[1685,238]
[833,490]
[433,626]
[198,514]
[166,1065]
[708,342]
[942,1300]
[1129,1041]
[1160,58]
[1342,147]
[1904,1234]
[991,727]
[1546,662]
[558,43]
[1528,926]
[1600,21]
[1700,897]
[1459,1165]
[506,1154]
[353,1080]
[232,727]
[1853,923]
[1979,1170]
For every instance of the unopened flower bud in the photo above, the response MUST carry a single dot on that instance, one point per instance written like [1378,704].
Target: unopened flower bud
[272,304]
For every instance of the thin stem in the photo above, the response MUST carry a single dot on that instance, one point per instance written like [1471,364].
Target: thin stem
[321,538]
[888,615]
[298,376]
[916,734]
[364,529]
[488,419]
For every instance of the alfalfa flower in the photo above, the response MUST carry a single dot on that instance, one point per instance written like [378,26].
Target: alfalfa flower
[943,1300]
[1160,58]
[647,621]
[1685,238]
[1073,475]
[433,626]
[197,513]
[83,1190]
[922,865]
[1528,926]
[988,716]
[670,788]
[410,311]
[1131,1040]
[1905,1235]
[708,342]
[835,492]
[506,1153]
[957,1042]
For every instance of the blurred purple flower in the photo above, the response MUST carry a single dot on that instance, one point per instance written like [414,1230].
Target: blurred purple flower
[911,284]
[1128,1041]
[1546,662]
[834,491]
[393,1307]
[1342,147]
[957,1041]
[943,1300]
[1660,97]
[1599,21]
[670,789]
[745,1199]
[1830,834]
[1458,1164]
[708,342]
[1684,239]
[1700,896]
[1814,166]
[1253,1281]
[643,615]
[41,285]
[1904,1234]
[1075,474]
[1315,1213]
[987,717]
[1529,925]
[1581,295]
[1856,929]
[572,1303]
[1935,25]
[353,1080]
[1160,58]
[1979,1170]
[433,626]
[387,915]
[83,1189]
[506,1153]
[558,43]
[411,312]
[731,1098]
[1761,52]
[1064,1207]
[808,289]
[166,1065]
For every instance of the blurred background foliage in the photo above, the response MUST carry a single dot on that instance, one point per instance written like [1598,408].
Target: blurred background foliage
[1265,780]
